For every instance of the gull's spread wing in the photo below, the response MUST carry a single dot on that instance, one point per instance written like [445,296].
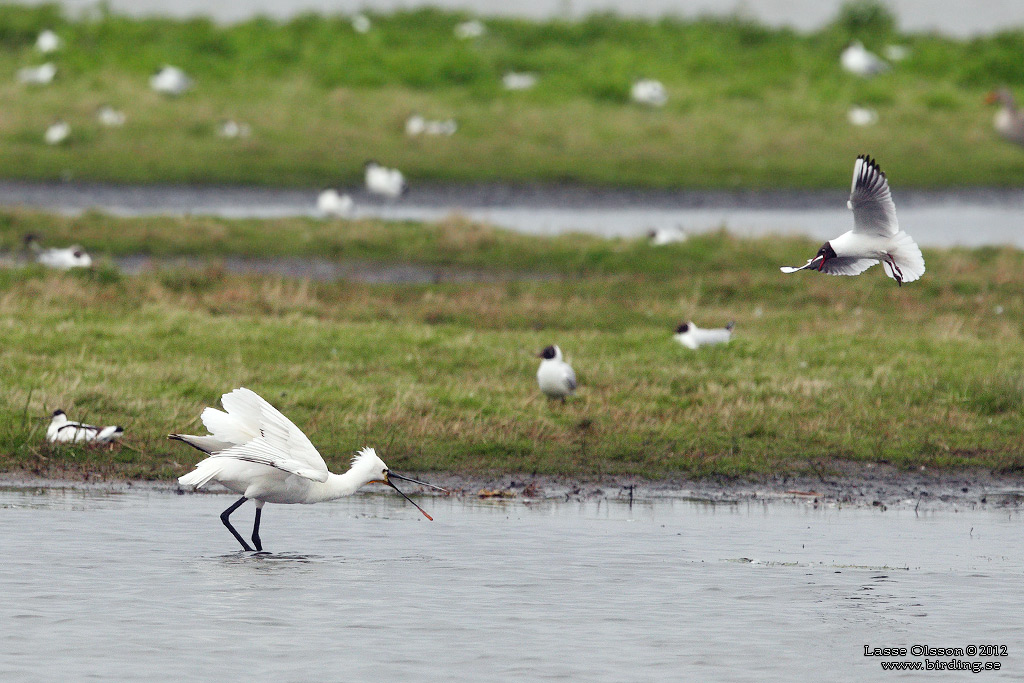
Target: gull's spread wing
[874,212]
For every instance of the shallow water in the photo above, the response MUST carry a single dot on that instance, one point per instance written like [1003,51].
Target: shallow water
[946,16]
[142,585]
[970,217]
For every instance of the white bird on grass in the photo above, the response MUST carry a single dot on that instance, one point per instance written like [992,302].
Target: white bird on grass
[110,117]
[57,133]
[60,258]
[862,116]
[659,237]
[37,75]
[692,337]
[518,81]
[231,129]
[473,28]
[332,203]
[259,453]
[63,430]
[650,92]
[48,42]
[554,376]
[361,23]
[862,62]
[388,182]
[417,125]
[876,235]
[170,80]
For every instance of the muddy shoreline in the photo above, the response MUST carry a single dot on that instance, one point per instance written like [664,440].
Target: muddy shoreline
[878,486]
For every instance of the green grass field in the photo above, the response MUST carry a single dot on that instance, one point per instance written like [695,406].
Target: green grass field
[748,106]
[441,376]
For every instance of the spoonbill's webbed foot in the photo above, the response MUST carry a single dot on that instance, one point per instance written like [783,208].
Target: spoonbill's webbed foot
[256,530]
[224,517]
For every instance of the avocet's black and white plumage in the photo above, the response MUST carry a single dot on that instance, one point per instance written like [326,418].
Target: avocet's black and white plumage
[692,337]
[554,376]
[63,430]
[876,235]
[256,451]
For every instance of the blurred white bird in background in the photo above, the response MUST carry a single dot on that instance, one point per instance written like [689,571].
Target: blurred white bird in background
[37,75]
[417,125]
[255,451]
[387,182]
[518,81]
[876,234]
[170,80]
[110,117]
[60,258]
[361,23]
[896,53]
[47,42]
[63,430]
[554,376]
[692,337]
[649,92]
[862,116]
[862,62]
[659,237]
[332,203]
[473,28]
[57,133]
[231,129]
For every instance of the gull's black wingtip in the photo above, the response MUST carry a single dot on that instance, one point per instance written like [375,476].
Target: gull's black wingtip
[872,164]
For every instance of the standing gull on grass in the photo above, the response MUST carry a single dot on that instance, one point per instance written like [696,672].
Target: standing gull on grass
[256,451]
[554,376]
[63,430]
[170,80]
[876,235]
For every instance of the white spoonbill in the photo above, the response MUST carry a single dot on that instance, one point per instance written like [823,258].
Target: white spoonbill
[256,451]
[876,235]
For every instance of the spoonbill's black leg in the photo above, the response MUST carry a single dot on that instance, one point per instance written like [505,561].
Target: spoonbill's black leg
[227,522]
[256,528]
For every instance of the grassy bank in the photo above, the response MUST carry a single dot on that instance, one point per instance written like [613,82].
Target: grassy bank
[440,377]
[748,106]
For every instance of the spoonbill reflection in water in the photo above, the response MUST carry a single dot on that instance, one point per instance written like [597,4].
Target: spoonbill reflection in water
[256,451]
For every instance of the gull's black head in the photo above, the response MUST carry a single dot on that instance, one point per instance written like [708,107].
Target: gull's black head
[683,328]
[548,353]
[57,413]
[370,163]
[825,253]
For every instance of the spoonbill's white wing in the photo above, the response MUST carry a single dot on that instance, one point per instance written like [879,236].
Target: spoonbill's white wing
[274,440]
[840,265]
[874,212]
